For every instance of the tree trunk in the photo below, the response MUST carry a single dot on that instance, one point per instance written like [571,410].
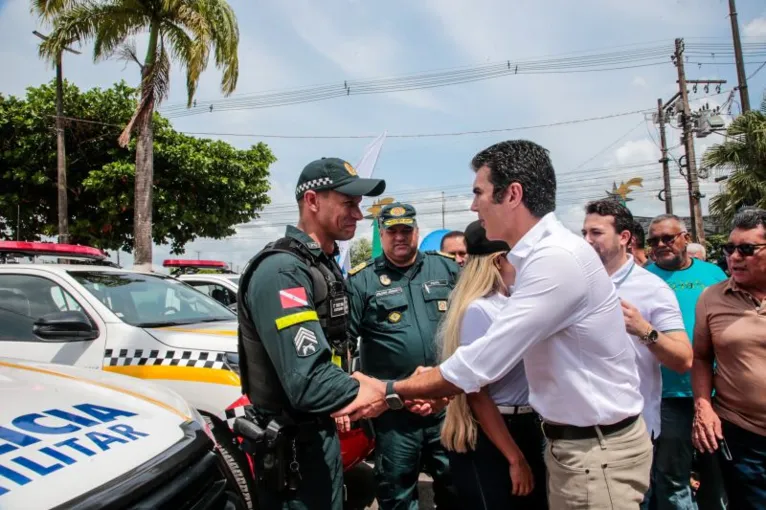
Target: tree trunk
[142,214]
[63,214]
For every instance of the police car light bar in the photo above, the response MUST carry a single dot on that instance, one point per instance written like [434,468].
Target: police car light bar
[34,249]
[198,264]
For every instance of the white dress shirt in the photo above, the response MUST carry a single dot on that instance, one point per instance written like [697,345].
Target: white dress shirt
[564,319]
[512,389]
[659,307]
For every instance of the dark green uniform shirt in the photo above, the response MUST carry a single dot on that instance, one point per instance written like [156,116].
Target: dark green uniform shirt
[280,299]
[396,312]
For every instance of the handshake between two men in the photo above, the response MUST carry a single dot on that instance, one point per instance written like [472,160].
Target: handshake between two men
[423,393]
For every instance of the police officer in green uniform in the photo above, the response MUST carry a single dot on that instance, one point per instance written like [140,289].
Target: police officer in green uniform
[293,311]
[397,301]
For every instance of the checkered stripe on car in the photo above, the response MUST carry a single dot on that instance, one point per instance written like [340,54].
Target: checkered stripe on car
[165,358]
[230,415]
[315,183]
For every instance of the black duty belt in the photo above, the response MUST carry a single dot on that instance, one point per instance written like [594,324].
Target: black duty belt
[571,432]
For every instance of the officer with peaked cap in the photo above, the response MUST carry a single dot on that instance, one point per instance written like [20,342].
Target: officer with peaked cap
[293,310]
[397,301]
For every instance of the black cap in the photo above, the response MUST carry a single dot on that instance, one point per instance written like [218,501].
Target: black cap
[334,173]
[477,243]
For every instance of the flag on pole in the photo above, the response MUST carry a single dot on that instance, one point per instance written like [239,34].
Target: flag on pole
[364,169]
[377,249]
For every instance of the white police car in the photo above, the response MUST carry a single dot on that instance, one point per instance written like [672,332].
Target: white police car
[93,315]
[218,281]
[81,439]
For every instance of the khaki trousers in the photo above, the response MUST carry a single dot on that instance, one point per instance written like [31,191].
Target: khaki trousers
[600,473]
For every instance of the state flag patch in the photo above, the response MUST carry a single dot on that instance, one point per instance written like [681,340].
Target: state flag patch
[293,298]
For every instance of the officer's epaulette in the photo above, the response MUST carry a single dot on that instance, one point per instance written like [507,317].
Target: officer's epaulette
[443,254]
[359,267]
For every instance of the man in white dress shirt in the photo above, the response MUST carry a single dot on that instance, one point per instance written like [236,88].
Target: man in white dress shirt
[652,314]
[565,321]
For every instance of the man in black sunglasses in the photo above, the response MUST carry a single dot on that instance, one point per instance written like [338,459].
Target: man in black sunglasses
[731,329]
[674,454]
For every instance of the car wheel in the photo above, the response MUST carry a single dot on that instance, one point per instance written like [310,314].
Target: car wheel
[236,462]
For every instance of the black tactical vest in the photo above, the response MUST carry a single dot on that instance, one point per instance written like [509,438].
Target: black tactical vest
[257,374]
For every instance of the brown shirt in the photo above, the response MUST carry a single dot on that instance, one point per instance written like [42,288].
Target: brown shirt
[735,324]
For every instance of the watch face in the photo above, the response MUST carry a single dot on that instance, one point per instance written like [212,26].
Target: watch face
[394,402]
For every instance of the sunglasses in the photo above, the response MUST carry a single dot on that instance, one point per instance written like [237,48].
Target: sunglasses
[744,249]
[666,239]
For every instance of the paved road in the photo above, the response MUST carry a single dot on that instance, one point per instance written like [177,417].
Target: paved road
[361,489]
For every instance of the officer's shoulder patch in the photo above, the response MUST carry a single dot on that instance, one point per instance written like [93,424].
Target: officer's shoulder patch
[358,267]
[443,254]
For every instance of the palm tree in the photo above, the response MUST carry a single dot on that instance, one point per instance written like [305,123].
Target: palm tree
[184,30]
[744,155]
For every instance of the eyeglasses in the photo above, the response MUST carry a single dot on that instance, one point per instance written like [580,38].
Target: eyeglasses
[666,239]
[745,249]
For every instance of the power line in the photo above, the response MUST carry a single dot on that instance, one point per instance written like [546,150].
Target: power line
[419,135]
[576,62]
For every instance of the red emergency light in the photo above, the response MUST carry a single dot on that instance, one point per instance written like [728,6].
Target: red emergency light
[197,264]
[34,249]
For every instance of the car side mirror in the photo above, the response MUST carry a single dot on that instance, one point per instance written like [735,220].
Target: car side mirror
[65,326]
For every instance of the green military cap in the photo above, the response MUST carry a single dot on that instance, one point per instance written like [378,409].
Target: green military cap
[339,175]
[397,214]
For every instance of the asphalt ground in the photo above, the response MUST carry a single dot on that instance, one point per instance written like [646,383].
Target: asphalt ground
[360,484]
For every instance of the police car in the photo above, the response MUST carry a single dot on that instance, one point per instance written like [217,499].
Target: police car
[218,281]
[74,438]
[94,315]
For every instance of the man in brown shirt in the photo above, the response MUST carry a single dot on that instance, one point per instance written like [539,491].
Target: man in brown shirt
[731,329]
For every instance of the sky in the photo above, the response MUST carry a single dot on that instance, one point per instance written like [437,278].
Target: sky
[298,43]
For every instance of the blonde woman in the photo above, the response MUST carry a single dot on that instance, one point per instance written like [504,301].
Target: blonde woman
[494,440]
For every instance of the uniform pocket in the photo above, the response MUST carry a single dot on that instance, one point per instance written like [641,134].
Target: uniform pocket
[390,309]
[436,296]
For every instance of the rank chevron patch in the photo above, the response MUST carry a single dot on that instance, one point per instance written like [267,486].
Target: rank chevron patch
[305,342]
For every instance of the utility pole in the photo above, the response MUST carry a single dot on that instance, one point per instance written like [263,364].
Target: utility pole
[442,210]
[63,209]
[665,167]
[695,207]
[744,97]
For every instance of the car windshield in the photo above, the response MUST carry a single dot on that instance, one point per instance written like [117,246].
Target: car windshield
[234,279]
[151,301]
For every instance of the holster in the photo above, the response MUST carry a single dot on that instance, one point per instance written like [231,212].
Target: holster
[271,445]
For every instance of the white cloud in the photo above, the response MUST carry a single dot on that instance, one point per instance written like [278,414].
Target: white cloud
[639,81]
[360,52]
[756,28]
[636,152]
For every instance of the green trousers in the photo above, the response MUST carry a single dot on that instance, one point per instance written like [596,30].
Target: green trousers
[321,468]
[405,445]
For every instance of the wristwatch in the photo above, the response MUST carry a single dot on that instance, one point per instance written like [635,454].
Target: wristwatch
[393,400]
[650,337]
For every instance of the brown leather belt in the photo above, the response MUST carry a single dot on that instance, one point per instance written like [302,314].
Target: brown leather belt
[572,432]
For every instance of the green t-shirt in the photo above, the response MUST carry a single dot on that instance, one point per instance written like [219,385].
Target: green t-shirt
[688,284]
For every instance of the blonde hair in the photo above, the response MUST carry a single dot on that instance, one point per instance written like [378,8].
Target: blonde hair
[479,278]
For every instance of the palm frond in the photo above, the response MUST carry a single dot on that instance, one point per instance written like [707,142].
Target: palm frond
[114,31]
[48,9]
[78,23]
[127,52]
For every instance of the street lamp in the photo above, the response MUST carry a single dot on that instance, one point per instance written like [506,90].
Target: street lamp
[63,214]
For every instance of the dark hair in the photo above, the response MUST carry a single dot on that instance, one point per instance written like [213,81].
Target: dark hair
[450,235]
[523,162]
[637,231]
[750,218]
[623,219]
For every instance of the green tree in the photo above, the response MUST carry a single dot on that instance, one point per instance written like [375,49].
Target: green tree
[187,31]
[744,154]
[361,250]
[203,188]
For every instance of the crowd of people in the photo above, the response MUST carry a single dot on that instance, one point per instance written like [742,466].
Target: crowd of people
[523,365]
